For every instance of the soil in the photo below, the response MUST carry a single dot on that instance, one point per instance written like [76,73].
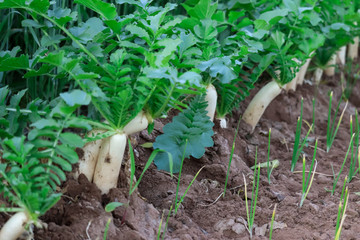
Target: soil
[204,214]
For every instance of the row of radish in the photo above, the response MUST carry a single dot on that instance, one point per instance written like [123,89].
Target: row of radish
[133,69]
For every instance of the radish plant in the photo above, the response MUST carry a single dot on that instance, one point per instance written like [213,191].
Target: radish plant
[32,167]
[108,49]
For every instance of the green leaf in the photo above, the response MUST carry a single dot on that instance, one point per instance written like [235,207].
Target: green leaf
[39,5]
[204,9]
[278,38]
[191,128]
[71,139]
[31,23]
[107,10]
[62,16]
[76,97]
[54,58]
[67,153]
[45,123]
[12,4]
[51,40]
[88,30]
[14,63]
[111,206]
[219,66]
[138,31]
[267,19]
[140,3]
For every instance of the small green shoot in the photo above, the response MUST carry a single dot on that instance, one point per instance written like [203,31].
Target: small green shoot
[313,114]
[331,132]
[272,222]
[107,228]
[307,181]
[354,147]
[336,179]
[250,211]
[342,210]
[269,170]
[147,165]
[109,208]
[297,146]
[178,202]
[166,224]
[231,157]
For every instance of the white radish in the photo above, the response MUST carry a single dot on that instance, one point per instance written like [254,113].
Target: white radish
[318,75]
[211,99]
[260,102]
[111,154]
[223,122]
[139,123]
[14,227]
[303,70]
[109,162]
[292,85]
[88,161]
[353,49]
[330,70]
[341,55]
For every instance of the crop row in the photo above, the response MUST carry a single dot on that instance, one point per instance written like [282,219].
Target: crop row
[87,67]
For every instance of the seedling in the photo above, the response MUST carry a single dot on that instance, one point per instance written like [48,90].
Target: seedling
[313,114]
[250,211]
[269,170]
[272,222]
[231,157]
[344,197]
[307,181]
[297,146]
[331,132]
[354,147]
[336,179]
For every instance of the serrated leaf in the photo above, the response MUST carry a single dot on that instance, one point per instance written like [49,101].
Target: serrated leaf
[138,31]
[14,63]
[88,30]
[54,58]
[51,40]
[190,131]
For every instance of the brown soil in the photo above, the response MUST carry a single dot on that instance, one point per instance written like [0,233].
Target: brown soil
[80,213]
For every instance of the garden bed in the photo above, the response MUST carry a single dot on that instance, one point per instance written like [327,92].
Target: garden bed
[80,213]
